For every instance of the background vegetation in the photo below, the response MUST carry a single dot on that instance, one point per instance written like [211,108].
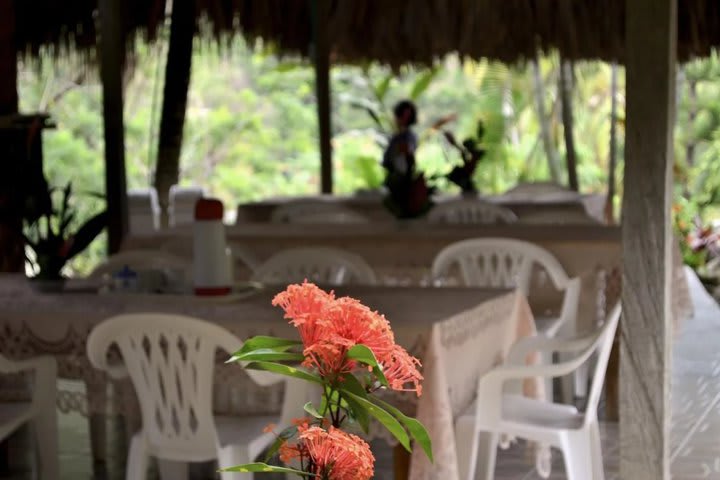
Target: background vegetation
[251,129]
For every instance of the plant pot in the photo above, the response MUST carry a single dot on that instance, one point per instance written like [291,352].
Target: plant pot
[48,285]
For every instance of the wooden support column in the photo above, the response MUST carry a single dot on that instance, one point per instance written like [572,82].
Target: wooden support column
[12,257]
[175,93]
[646,326]
[321,58]
[112,59]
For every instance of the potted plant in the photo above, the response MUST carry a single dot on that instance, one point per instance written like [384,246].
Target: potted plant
[471,153]
[53,245]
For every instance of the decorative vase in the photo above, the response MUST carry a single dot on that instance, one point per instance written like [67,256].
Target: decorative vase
[48,285]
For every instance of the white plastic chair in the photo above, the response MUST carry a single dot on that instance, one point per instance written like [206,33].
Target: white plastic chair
[40,411]
[315,212]
[141,260]
[470,211]
[181,210]
[510,263]
[501,409]
[170,360]
[326,266]
[143,211]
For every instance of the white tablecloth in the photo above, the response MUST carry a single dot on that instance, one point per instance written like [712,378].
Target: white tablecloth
[458,334]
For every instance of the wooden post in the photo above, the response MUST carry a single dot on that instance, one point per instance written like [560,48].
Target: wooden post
[321,57]
[175,92]
[646,327]
[610,201]
[12,257]
[112,56]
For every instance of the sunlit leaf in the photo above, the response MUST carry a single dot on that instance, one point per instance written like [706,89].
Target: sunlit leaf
[279,368]
[259,467]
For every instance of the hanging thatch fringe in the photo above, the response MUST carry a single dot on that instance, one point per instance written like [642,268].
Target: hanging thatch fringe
[394,32]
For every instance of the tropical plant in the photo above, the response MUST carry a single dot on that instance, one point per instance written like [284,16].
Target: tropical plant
[349,353]
[471,152]
[52,244]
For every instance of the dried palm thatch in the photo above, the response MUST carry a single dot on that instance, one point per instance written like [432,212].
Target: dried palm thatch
[393,32]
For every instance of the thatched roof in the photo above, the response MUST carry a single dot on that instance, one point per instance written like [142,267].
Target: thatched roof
[392,31]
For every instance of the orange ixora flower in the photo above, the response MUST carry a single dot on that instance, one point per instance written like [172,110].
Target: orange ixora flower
[330,454]
[330,326]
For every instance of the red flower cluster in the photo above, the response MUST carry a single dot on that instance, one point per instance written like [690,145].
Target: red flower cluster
[330,454]
[330,326]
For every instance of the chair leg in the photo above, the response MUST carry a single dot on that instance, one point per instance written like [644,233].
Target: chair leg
[46,439]
[170,470]
[137,463]
[577,454]
[487,454]
[596,451]
[231,457]
[466,445]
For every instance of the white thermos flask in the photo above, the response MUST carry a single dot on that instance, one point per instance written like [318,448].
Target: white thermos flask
[212,268]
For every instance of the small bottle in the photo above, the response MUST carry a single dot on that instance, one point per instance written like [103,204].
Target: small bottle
[212,272]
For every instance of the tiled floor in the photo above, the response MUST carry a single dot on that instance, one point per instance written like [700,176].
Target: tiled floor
[695,442]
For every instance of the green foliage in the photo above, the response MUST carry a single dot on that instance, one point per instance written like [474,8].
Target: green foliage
[345,397]
[50,240]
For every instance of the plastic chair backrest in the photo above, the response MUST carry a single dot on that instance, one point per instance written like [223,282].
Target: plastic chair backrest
[170,360]
[315,212]
[498,263]
[140,260]
[181,210]
[470,211]
[328,266]
[143,211]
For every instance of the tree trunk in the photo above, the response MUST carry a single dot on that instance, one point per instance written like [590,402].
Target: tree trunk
[566,88]
[175,93]
[550,151]
[12,257]
[610,200]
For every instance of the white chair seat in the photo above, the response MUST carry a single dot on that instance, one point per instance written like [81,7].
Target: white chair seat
[529,411]
[12,415]
[40,413]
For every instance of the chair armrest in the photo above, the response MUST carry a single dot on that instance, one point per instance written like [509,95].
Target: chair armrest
[45,381]
[542,344]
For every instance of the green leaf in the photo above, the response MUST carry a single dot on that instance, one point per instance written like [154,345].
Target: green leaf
[309,408]
[422,83]
[87,233]
[286,370]
[267,355]
[382,87]
[358,411]
[363,354]
[417,430]
[352,386]
[259,467]
[261,341]
[387,420]
[283,436]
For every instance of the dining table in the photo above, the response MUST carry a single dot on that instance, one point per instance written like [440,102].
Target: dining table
[457,333]
[370,205]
